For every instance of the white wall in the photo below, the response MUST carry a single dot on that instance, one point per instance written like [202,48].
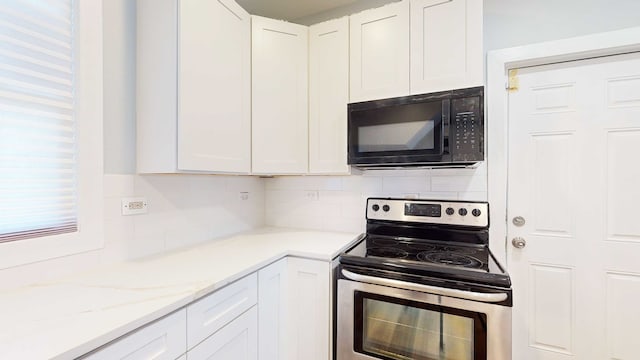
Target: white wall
[509,23]
[119,86]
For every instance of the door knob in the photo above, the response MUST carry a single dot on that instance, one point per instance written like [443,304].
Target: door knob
[518,221]
[518,242]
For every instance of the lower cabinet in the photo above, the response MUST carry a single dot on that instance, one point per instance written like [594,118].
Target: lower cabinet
[272,314]
[282,311]
[163,339]
[309,309]
[237,340]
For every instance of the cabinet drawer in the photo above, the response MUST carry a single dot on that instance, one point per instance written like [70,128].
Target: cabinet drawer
[209,314]
[160,340]
[236,340]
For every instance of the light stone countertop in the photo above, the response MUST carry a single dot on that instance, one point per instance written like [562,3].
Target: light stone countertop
[70,317]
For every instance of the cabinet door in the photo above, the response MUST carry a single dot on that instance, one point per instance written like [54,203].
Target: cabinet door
[310,309]
[380,52]
[212,312]
[164,339]
[214,79]
[279,97]
[272,310]
[328,96]
[446,45]
[238,341]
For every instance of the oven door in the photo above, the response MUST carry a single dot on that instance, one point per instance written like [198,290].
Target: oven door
[383,322]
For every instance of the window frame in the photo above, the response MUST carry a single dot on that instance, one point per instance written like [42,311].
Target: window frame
[88,91]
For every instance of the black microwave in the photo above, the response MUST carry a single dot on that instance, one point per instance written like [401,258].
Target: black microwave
[428,130]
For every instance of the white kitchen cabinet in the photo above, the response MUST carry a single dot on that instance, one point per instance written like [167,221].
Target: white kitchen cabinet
[193,87]
[328,96]
[164,339]
[279,97]
[272,311]
[209,314]
[309,309]
[446,45]
[237,340]
[380,52]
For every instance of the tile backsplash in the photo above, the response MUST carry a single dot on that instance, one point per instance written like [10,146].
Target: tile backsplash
[185,210]
[338,202]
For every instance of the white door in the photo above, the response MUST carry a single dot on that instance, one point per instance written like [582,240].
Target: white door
[379,55]
[279,95]
[574,142]
[272,311]
[237,340]
[309,310]
[446,45]
[214,86]
[328,96]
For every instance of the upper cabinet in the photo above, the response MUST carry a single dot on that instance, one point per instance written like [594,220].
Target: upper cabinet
[220,91]
[194,87]
[446,45]
[279,97]
[380,52]
[328,96]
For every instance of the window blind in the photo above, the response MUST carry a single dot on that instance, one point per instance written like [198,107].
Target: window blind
[38,195]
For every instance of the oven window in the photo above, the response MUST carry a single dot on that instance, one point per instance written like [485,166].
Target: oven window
[405,129]
[391,328]
[415,135]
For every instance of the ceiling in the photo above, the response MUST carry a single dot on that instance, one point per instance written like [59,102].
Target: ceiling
[291,9]
[294,10]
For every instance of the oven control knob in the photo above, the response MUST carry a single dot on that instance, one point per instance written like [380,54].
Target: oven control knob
[462,212]
[476,212]
[386,208]
[450,211]
[375,207]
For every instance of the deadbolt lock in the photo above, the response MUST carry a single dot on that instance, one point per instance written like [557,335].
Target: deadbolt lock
[518,221]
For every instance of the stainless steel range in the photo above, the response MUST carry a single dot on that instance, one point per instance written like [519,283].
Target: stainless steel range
[423,284]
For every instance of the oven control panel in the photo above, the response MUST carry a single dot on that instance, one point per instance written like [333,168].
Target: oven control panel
[429,211]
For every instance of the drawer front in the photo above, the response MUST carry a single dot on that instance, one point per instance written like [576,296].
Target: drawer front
[163,339]
[237,340]
[211,313]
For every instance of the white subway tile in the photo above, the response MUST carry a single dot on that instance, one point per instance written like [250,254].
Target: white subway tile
[458,183]
[403,185]
[118,185]
[443,195]
[473,196]
[362,184]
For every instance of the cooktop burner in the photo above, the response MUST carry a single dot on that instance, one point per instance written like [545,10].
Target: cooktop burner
[448,258]
[428,251]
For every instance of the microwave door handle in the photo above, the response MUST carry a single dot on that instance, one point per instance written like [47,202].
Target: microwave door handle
[444,126]
[469,295]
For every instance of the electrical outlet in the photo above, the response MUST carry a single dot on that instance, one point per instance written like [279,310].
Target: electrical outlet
[312,195]
[133,206]
[244,195]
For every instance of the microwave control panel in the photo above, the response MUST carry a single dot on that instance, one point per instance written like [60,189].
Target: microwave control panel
[467,131]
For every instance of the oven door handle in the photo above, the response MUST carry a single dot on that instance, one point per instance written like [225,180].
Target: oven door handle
[469,295]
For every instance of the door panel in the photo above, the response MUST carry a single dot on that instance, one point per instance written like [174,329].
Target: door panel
[551,309]
[279,122]
[574,136]
[379,57]
[214,119]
